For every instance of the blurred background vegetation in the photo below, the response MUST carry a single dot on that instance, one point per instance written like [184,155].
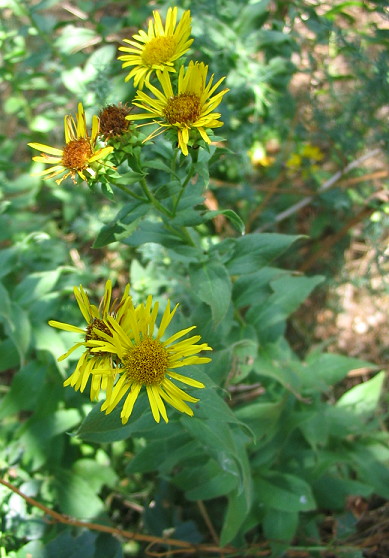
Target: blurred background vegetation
[304,152]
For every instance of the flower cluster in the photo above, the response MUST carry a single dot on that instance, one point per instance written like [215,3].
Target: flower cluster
[186,107]
[122,353]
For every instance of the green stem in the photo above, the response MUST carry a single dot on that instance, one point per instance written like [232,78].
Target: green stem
[130,192]
[182,232]
[152,199]
[183,186]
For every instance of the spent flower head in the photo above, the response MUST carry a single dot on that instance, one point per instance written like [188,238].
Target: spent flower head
[144,359]
[78,154]
[188,110]
[113,122]
[157,49]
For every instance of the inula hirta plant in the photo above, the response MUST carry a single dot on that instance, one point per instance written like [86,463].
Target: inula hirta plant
[184,103]
[123,347]
[123,353]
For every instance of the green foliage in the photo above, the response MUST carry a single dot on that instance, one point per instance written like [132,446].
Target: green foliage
[278,435]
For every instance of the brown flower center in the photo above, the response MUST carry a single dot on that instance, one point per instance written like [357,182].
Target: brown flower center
[113,120]
[147,362]
[159,50]
[183,109]
[76,154]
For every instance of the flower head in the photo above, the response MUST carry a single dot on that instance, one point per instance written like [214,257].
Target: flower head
[79,152]
[191,109]
[145,360]
[113,121]
[157,49]
[95,318]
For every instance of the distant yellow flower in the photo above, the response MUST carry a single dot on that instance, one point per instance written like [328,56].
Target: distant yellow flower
[79,152]
[259,157]
[144,360]
[294,161]
[92,362]
[157,49]
[190,109]
[312,152]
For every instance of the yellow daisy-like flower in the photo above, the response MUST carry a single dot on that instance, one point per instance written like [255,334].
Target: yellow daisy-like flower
[312,152]
[79,152]
[190,109]
[95,317]
[157,49]
[147,361]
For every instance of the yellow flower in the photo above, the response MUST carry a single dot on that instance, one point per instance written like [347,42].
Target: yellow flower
[190,109]
[259,157]
[294,161]
[157,49]
[93,362]
[144,360]
[79,152]
[312,152]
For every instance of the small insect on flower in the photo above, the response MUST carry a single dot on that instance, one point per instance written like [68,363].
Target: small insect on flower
[79,153]
[157,49]
[96,362]
[190,110]
[146,360]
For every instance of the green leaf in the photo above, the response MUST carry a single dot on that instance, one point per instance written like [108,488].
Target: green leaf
[290,292]
[8,257]
[160,165]
[233,217]
[324,370]
[237,510]
[35,286]
[5,307]
[73,39]
[8,358]
[99,61]
[284,492]
[130,177]
[111,232]
[66,545]
[371,470]
[75,495]
[262,418]
[171,450]
[205,481]
[37,433]
[32,548]
[279,525]
[99,427]
[18,328]
[254,250]
[363,398]
[274,362]
[25,389]
[252,288]
[125,222]
[218,485]
[211,283]
[97,474]
[331,492]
